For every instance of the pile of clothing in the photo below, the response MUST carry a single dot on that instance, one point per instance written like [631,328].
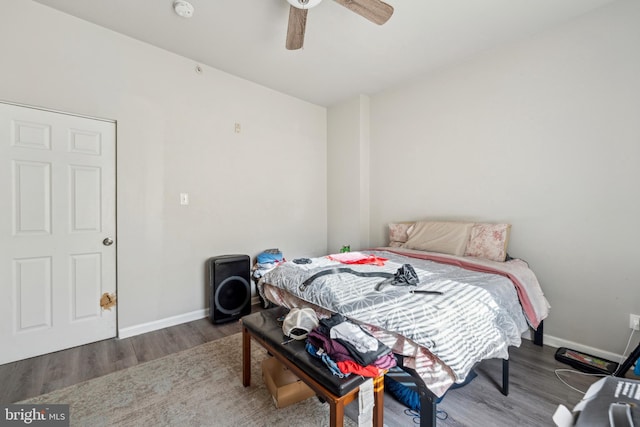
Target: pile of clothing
[266,261]
[344,347]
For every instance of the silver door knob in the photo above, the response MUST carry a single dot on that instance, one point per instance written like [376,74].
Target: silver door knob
[108,241]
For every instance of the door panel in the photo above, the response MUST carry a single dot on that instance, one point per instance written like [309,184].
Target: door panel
[84,186]
[57,205]
[86,287]
[32,287]
[32,197]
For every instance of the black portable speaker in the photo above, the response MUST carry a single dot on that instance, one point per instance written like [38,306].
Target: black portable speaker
[229,287]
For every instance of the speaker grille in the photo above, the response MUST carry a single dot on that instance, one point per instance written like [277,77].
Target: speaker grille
[232,294]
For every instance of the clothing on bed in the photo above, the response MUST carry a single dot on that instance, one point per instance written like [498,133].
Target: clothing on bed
[356,258]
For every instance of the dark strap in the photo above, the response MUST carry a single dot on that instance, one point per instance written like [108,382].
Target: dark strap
[420,291]
[338,270]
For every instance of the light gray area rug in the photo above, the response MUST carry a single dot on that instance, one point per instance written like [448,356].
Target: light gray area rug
[201,386]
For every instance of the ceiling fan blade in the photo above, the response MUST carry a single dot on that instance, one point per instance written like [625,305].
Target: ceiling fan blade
[375,11]
[297,24]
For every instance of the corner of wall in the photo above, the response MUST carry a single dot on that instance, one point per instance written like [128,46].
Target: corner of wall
[348,174]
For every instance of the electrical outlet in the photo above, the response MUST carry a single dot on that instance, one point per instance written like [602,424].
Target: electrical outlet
[634,322]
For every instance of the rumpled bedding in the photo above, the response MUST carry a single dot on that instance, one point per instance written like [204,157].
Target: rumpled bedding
[477,317]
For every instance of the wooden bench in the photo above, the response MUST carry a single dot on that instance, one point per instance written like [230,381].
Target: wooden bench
[265,328]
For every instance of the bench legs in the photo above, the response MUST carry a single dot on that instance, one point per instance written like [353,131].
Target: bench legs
[336,413]
[378,397]
[336,403]
[246,357]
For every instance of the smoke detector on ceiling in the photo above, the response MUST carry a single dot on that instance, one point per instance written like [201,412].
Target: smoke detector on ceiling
[183,8]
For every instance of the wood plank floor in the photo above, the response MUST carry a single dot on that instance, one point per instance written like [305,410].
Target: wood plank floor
[31,377]
[535,391]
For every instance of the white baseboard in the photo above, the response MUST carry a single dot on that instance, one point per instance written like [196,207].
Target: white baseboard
[556,342]
[143,328]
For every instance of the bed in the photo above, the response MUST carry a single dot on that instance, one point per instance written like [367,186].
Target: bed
[480,301]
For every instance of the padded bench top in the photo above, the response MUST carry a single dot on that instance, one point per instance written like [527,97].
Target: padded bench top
[265,325]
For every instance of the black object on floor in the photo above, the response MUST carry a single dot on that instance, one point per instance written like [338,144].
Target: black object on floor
[586,362]
[229,287]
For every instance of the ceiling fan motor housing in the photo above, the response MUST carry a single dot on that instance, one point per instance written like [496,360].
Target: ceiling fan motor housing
[304,4]
[376,11]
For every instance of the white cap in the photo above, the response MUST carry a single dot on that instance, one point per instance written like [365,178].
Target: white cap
[299,322]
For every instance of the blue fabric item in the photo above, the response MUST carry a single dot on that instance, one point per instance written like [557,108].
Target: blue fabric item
[404,394]
[636,370]
[320,354]
[269,258]
[410,398]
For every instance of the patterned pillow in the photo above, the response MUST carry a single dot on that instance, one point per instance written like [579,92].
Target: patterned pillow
[488,241]
[399,233]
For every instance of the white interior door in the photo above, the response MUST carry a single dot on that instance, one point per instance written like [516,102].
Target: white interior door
[57,206]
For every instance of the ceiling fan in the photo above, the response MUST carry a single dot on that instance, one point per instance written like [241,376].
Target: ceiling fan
[375,11]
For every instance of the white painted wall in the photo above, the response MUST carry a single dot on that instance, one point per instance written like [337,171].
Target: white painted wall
[348,174]
[264,187]
[544,134]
